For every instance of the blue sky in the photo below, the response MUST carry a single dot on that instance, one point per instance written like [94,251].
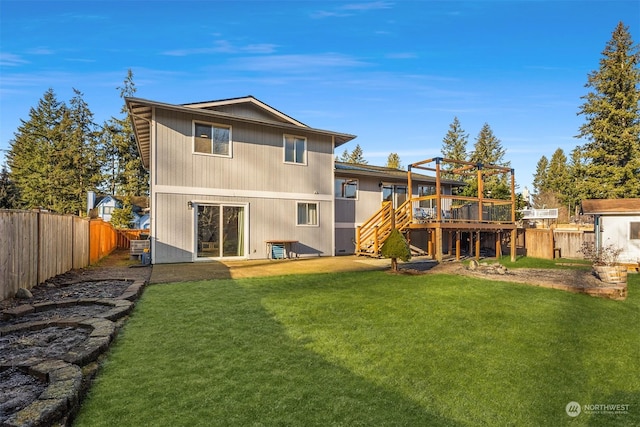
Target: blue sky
[394,73]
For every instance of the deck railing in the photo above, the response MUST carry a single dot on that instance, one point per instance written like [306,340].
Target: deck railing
[461,209]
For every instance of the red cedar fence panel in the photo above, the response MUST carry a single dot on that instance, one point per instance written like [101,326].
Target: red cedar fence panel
[103,240]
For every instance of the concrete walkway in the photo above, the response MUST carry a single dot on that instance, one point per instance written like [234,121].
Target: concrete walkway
[167,273]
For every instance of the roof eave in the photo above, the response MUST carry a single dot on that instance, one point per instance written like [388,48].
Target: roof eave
[141,114]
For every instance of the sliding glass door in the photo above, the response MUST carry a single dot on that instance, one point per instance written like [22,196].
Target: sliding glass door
[220,231]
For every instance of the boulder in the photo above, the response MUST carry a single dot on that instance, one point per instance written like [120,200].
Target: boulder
[24,293]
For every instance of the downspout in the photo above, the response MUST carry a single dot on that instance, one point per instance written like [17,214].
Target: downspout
[333,198]
[153,230]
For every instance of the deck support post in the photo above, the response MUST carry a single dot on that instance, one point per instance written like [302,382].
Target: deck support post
[514,236]
[477,245]
[498,245]
[458,246]
[438,245]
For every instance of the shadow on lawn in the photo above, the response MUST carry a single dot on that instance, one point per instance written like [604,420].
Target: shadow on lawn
[587,369]
[306,387]
[235,356]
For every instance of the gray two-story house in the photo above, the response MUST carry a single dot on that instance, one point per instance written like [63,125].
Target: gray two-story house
[235,178]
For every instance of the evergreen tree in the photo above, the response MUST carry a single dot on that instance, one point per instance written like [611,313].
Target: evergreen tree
[356,156]
[8,190]
[30,153]
[393,161]
[395,247]
[123,217]
[540,182]
[541,175]
[612,128]
[488,151]
[76,160]
[558,178]
[344,157]
[125,175]
[54,158]
[575,190]
[454,146]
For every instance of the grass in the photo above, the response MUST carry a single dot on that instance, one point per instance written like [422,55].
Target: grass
[369,348]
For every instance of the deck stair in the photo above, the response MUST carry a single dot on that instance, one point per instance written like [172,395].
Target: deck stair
[371,235]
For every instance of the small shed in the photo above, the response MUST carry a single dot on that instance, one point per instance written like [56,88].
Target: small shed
[617,222]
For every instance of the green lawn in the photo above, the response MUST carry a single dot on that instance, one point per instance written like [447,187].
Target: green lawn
[369,349]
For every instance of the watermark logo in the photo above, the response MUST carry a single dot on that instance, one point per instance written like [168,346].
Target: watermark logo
[573,409]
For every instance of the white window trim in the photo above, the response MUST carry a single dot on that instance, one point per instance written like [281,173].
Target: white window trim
[194,229]
[357,182]
[308,202]
[212,124]
[284,149]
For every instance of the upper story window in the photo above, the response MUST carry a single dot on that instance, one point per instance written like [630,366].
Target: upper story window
[634,231]
[212,139]
[346,188]
[295,149]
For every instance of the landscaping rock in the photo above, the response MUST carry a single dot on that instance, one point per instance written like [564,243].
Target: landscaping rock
[24,293]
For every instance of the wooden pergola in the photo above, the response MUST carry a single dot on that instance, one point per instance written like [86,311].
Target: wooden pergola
[484,214]
[451,213]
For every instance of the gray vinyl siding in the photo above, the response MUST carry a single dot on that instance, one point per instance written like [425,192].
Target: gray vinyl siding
[247,110]
[269,219]
[257,165]
[257,161]
[350,213]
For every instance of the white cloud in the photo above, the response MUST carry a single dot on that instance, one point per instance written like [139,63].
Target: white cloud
[224,46]
[375,5]
[11,60]
[349,8]
[296,63]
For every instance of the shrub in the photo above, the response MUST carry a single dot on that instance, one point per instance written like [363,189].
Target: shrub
[395,247]
[606,255]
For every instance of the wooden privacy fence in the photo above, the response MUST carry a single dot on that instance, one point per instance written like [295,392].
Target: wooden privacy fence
[550,244]
[35,246]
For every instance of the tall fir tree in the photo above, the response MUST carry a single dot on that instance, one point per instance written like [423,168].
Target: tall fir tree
[393,161]
[488,150]
[125,175]
[357,156]
[454,146]
[540,182]
[541,175]
[30,153]
[54,158]
[558,178]
[575,190]
[344,157]
[8,191]
[78,159]
[611,155]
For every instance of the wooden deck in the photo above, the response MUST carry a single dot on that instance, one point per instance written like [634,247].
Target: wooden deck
[444,214]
